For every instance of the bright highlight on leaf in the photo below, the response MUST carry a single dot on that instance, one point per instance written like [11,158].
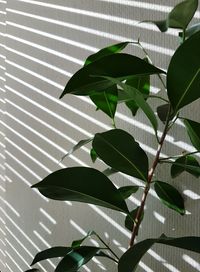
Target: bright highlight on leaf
[139,100]
[112,49]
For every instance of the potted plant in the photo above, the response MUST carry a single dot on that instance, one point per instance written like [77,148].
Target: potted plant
[110,77]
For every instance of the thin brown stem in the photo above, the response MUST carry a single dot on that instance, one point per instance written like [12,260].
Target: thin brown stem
[147,187]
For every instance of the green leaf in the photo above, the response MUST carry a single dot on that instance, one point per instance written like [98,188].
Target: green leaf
[75,147]
[131,258]
[77,258]
[183,164]
[87,80]
[106,100]
[142,84]
[127,191]
[93,155]
[77,243]
[84,185]
[129,223]
[119,150]
[179,17]
[162,112]
[190,30]
[115,48]
[193,130]
[170,196]
[49,253]
[183,76]
[139,100]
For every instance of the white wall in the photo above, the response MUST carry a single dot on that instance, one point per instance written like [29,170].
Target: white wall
[46,42]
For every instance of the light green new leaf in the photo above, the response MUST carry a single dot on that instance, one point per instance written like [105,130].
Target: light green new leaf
[137,96]
[186,163]
[179,17]
[112,49]
[170,196]
[119,150]
[131,258]
[76,147]
[93,155]
[89,78]
[53,252]
[183,76]
[193,130]
[82,184]
[127,191]
[76,258]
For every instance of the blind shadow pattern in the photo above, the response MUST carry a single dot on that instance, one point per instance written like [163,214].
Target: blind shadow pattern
[42,44]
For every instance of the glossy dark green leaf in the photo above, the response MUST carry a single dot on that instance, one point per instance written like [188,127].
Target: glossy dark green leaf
[190,30]
[131,258]
[112,49]
[183,76]
[193,130]
[87,80]
[49,253]
[106,100]
[77,243]
[170,196]
[127,191]
[139,100]
[119,150]
[130,222]
[77,258]
[84,185]
[142,84]
[162,112]
[179,17]
[183,164]
[93,155]
[76,147]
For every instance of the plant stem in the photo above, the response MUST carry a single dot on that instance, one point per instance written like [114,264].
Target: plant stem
[147,55]
[178,156]
[159,97]
[107,246]
[148,184]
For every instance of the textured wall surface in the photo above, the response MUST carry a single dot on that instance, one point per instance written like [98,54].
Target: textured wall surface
[42,44]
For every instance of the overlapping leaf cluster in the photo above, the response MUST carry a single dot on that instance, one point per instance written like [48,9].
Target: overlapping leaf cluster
[110,77]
